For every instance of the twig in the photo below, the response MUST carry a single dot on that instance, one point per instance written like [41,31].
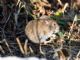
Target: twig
[26,47]
[20,46]
[21,5]
[4,33]
[41,50]
[31,50]
[64,8]
[61,55]
[7,45]
[71,28]
[77,56]
[60,2]
[2,49]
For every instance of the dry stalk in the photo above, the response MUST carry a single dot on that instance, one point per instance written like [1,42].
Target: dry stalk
[31,50]
[7,45]
[71,27]
[20,46]
[18,2]
[77,56]
[60,2]
[26,47]
[1,49]
[71,30]
[17,12]
[41,50]
[62,10]
[65,6]
[61,55]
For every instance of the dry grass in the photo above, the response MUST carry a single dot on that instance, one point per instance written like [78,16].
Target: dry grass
[16,14]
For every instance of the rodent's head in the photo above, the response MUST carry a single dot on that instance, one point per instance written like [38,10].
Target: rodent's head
[52,26]
[51,29]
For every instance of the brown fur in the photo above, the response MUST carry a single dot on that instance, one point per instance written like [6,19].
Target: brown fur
[40,30]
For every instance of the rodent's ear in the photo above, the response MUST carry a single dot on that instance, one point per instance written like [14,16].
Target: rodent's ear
[47,22]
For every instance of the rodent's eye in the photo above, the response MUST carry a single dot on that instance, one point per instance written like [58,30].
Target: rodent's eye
[54,24]
[48,39]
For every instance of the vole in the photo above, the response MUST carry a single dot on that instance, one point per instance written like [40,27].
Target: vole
[38,31]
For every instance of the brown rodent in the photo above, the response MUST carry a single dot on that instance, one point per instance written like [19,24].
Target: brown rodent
[40,30]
